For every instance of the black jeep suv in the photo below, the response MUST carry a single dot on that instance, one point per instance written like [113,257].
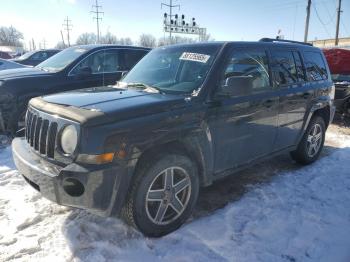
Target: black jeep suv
[183,117]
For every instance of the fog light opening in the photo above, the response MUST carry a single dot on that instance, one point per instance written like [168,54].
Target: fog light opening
[73,187]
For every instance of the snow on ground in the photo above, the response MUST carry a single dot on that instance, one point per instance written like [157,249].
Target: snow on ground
[297,214]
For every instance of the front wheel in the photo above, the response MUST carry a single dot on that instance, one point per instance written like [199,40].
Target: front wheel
[312,142]
[162,196]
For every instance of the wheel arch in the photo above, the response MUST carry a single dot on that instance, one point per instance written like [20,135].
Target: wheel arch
[325,113]
[178,147]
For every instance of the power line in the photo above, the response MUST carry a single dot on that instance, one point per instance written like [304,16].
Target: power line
[331,18]
[344,26]
[322,23]
[97,17]
[67,26]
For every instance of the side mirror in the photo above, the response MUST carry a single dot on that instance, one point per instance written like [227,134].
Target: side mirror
[236,86]
[85,71]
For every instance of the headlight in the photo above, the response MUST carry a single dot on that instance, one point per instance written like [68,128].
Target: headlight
[69,139]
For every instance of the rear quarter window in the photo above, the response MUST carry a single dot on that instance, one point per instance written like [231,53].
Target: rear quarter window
[315,66]
[284,69]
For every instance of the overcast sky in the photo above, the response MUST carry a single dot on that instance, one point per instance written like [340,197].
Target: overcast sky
[224,19]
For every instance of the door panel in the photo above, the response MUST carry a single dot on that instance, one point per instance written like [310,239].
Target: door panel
[244,126]
[295,94]
[243,129]
[292,109]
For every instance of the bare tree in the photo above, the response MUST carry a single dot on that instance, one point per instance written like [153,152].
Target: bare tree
[125,41]
[207,38]
[182,40]
[86,39]
[147,40]
[108,39]
[10,36]
[60,45]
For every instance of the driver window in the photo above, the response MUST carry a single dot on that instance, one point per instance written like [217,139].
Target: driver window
[41,56]
[248,69]
[105,61]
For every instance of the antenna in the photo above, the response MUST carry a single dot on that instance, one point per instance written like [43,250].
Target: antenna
[97,17]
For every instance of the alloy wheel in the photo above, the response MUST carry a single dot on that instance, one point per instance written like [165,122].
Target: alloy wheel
[168,195]
[314,140]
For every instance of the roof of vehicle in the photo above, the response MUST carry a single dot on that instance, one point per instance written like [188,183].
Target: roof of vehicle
[100,46]
[275,43]
[51,49]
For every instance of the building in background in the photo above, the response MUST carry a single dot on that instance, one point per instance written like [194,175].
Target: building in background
[12,50]
[328,43]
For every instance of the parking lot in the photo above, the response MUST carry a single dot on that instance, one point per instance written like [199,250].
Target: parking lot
[274,211]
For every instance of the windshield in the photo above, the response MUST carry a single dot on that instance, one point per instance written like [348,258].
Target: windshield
[340,78]
[26,55]
[177,69]
[62,59]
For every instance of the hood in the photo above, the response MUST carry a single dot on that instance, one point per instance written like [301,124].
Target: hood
[22,72]
[5,65]
[116,103]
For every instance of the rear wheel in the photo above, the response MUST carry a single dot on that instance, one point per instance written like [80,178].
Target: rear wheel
[312,142]
[162,196]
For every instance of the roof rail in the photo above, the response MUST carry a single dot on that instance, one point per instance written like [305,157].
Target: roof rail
[271,40]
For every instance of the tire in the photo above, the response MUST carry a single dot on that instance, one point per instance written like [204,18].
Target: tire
[304,154]
[152,192]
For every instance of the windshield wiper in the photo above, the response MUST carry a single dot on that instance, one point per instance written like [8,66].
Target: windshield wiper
[145,87]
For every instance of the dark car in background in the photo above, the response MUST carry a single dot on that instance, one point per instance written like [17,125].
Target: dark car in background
[73,68]
[339,63]
[4,55]
[34,58]
[183,117]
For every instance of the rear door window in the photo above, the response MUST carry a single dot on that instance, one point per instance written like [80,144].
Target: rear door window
[299,66]
[284,68]
[251,65]
[315,66]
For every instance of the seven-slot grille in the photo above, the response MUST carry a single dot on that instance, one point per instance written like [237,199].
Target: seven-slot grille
[41,133]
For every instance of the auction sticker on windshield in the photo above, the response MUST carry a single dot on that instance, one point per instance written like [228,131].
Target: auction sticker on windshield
[202,58]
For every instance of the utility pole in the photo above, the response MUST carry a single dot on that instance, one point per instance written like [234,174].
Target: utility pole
[63,39]
[338,21]
[97,13]
[33,44]
[308,8]
[170,6]
[67,25]
[44,43]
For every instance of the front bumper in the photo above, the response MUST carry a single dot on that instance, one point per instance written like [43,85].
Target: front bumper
[100,189]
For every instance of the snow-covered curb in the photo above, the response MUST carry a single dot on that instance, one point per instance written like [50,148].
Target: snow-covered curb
[301,215]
